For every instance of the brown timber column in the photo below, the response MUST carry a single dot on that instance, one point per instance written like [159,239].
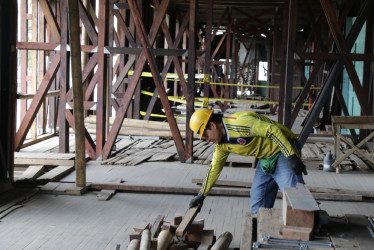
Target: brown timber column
[74,31]
[208,46]
[190,95]
[101,77]
[227,89]
[273,61]
[288,45]
[8,87]
[64,81]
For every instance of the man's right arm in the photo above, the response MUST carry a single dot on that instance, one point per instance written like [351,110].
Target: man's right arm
[214,170]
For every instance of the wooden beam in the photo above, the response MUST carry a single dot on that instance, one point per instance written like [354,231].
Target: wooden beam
[51,20]
[89,143]
[165,70]
[343,49]
[32,172]
[158,81]
[335,71]
[124,27]
[37,101]
[187,220]
[134,81]
[87,22]
[56,173]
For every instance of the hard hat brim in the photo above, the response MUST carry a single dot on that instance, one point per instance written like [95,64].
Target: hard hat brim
[203,126]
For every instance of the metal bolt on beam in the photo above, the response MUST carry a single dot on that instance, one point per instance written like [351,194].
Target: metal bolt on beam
[268,238]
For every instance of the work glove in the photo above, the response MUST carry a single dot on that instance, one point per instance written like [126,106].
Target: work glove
[296,165]
[198,200]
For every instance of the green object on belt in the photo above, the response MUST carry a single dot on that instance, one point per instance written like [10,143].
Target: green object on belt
[268,164]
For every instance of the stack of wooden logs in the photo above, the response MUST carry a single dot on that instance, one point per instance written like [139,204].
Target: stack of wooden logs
[183,233]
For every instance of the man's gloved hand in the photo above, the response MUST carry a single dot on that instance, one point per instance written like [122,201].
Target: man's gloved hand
[197,200]
[296,165]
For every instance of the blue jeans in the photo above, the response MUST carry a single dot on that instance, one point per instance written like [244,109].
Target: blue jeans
[265,186]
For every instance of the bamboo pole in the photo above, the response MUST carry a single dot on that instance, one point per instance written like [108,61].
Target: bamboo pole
[74,32]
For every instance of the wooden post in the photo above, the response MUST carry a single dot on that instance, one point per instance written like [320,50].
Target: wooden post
[80,154]
[208,46]
[288,46]
[191,79]
[101,77]
[34,58]
[8,78]
[64,81]
[273,61]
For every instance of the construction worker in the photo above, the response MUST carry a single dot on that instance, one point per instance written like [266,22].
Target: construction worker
[250,134]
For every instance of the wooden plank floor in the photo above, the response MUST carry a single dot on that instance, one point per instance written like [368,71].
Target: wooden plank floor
[49,221]
[70,222]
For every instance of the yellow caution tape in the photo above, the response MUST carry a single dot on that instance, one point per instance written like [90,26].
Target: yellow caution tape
[206,78]
[204,99]
[162,116]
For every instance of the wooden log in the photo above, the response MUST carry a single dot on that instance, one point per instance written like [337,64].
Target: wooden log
[223,241]
[187,220]
[164,239]
[134,245]
[145,242]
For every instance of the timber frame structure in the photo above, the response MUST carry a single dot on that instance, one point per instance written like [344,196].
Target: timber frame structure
[122,39]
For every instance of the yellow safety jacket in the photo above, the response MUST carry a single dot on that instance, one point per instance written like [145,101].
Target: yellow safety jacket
[248,134]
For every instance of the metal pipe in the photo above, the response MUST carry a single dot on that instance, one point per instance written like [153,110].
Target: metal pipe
[258,245]
[268,238]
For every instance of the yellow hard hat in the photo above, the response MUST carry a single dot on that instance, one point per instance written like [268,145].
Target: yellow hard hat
[199,120]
